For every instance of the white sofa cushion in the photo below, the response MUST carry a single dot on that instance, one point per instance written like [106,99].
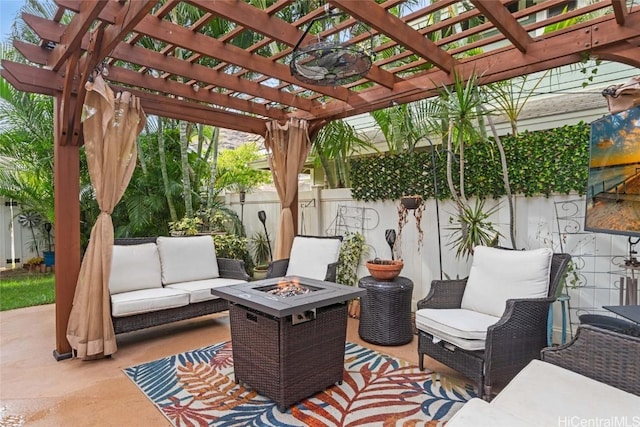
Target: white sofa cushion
[200,290]
[134,267]
[146,300]
[458,322]
[184,259]
[478,413]
[546,395]
[310,256]
[497,275]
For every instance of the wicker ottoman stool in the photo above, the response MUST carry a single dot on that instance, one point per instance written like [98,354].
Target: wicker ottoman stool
[385,311]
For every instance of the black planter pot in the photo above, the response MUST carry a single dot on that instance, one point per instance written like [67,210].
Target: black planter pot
[411,202]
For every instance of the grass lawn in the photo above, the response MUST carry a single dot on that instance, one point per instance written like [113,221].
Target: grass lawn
[25,290]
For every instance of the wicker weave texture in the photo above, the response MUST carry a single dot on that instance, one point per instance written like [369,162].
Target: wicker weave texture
[385,311]
[603,355]
[287,362]
[160,317]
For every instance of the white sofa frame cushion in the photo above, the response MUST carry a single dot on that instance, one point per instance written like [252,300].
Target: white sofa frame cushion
[134,267]
[186,259]
[497,275]
[310,256]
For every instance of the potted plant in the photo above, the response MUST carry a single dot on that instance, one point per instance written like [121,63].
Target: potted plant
[185,227]
[49,255]
[34,264]
[260,246]
[350,253]
[234,247]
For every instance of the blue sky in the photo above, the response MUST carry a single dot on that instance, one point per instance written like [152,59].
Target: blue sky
[8,12]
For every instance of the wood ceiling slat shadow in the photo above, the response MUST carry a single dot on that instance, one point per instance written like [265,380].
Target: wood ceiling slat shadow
[227,62]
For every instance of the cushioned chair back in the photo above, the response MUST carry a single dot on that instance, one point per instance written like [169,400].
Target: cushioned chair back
[559,264]
[311,255]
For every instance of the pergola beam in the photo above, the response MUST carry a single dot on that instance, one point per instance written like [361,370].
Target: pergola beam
[74,32]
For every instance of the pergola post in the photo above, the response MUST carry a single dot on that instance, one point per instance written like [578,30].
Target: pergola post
[66,182]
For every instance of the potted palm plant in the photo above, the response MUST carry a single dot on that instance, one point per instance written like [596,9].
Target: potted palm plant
[260,246]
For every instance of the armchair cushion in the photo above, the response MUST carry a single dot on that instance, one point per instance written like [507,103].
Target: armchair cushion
[185,259]
[310,256]
[463,328]
[497,275]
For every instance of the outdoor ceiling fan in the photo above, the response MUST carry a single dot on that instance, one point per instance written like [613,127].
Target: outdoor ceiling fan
[329,63]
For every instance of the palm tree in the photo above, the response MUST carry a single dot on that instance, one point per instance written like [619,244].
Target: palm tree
[332,146]
[462,109]
[26,137]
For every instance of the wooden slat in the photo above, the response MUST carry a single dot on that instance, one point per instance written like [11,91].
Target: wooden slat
[165,86]
[398,30]
[180,36]
[274,28]
[620,10]
[505,23]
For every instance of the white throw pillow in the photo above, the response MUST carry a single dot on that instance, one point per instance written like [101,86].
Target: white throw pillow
[310,256]
[184,259]
[134,267]
[497,275]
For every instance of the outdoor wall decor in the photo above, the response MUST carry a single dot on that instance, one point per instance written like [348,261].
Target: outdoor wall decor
[613,189]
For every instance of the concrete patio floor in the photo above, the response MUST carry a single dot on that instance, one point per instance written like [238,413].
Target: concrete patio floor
[37,390]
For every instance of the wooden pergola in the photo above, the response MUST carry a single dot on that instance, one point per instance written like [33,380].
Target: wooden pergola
[190,72]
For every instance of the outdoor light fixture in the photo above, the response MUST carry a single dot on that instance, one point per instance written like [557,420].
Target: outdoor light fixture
[390,237]
[262,216]
[329,63]
[243,198]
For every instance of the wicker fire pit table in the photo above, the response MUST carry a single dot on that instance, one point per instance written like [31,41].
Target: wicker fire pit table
[288,344]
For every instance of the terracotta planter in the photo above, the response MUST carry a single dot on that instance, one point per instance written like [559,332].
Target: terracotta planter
[384,270]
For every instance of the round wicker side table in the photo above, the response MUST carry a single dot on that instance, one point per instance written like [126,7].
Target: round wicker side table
[385,311]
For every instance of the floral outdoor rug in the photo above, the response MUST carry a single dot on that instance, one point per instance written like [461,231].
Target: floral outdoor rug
[197,388]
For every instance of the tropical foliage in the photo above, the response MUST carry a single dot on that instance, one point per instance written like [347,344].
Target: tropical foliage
[234,171]
[334,144]
[351,252]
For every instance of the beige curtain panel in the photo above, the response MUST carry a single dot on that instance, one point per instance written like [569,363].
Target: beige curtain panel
[288,146]
[111,125]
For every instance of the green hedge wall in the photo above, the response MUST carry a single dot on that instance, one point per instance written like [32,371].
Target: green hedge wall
[542,162]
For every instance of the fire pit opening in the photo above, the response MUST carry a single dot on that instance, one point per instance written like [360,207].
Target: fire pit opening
[288,288]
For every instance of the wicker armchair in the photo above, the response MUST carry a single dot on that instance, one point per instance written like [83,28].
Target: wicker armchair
[511,343]
[311,256]
[600,354]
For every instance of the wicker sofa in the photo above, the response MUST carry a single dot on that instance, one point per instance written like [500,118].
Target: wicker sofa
[593,380]
[160,280]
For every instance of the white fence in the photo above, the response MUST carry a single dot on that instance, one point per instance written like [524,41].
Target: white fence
[14,239]
[555,222]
